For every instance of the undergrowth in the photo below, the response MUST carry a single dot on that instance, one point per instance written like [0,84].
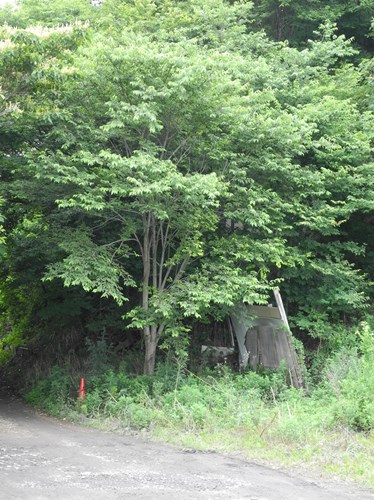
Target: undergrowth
[331,427]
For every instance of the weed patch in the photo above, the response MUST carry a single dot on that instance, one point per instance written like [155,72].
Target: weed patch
[258,415]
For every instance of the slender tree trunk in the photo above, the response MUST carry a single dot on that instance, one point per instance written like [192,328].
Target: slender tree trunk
[150,353]
[150,276]
[154,253]
[149,343]
[151,337]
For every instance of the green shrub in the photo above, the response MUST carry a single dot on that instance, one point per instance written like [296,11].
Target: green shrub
[53,393]
[222,399]
[350,377]
[355,406]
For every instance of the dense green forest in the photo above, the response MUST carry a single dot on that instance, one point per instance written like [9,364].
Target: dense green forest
[164,161]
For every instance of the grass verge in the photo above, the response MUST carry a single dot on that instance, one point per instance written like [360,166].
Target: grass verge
[327,432]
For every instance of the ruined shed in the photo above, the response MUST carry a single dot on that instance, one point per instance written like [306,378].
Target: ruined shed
[264,338]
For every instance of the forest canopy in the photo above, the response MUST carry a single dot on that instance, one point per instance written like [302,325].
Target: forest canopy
[164,161]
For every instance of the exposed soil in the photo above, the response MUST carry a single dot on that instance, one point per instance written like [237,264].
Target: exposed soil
[42,458]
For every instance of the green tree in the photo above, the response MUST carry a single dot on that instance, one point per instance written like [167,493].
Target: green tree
[186,158]
[142,161]
[296,21]
[48,13]
[32,65]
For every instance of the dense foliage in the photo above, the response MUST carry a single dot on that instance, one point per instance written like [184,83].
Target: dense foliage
[163,161]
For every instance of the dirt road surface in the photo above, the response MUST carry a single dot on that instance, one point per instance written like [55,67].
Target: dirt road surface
[42,458]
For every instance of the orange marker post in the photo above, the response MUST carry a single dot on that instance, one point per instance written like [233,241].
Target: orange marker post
[81,392]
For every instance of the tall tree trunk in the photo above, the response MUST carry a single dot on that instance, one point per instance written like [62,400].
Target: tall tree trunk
[152,335]
[150,275]
[150,352]
[149,340]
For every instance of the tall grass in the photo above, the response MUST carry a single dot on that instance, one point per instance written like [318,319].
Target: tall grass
[331,428]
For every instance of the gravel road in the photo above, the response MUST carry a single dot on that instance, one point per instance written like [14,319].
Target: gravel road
[42,458]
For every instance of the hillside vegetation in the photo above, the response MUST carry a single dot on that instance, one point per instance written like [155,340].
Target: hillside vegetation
[162,162]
